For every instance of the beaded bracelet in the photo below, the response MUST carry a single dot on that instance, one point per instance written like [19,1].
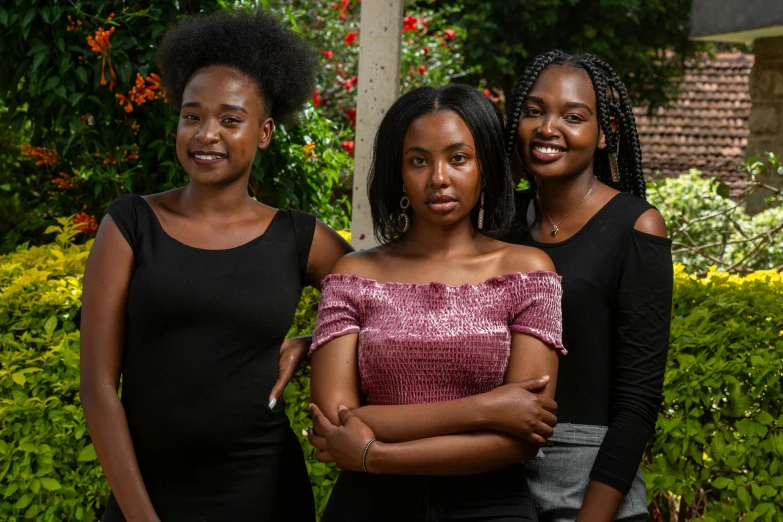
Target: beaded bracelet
[364,455]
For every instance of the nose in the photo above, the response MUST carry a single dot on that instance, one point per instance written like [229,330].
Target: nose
[548,127]
[208,132]
[439,177]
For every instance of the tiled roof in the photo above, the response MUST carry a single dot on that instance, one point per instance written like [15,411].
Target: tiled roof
[707,127]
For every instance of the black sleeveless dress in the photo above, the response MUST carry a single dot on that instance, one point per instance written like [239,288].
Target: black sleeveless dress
[202,339]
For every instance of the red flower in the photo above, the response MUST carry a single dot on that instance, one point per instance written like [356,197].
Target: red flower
[351,115]
[348,84]
[421,69]
[355,80]
[409,23]
[317,98]
[343,3]
[348,147]
[342,17]
[350,37]
[329,54]
[488,93]
[425,49]
[450,34]
[86,223]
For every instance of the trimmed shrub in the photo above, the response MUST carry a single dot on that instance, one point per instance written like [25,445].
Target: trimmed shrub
[718,450]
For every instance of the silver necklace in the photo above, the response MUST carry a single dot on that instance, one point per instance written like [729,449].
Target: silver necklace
[555,228]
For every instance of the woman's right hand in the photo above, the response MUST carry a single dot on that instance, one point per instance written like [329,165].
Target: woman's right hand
[517,409]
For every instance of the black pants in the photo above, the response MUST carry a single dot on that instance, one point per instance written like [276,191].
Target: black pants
[500,496]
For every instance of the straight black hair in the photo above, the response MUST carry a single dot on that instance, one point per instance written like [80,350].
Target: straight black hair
[485,122]
[612,101]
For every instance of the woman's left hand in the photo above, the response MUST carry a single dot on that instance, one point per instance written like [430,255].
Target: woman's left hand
[343,445]
[292,352]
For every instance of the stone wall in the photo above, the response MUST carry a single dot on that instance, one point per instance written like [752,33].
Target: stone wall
[766,114]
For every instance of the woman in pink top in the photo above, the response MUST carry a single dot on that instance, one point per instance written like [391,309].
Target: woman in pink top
[422,343]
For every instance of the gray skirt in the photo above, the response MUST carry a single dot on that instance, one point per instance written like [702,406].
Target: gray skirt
[558,478]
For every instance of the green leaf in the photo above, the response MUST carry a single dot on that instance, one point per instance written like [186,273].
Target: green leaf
[4,17]
[61,92]
[23,501]
[28,448]
[11,489]
[52,82]
[765,418]
[721,483]
[19,378]
[87,454]
[81,73]
[75,98]
[28,18]
[723,190]
[50,325]
[50,484]
[123,69]
[32,511]
[39,58]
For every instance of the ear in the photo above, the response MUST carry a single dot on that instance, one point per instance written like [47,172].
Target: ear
[602,136]
[265,135]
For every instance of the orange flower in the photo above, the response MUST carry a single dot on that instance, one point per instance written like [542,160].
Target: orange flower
[144,90]
[64,181]
[73,26]
[48,157]
[87,224]
[101,45]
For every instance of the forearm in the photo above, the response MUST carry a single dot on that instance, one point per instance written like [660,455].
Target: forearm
[463,454]
[403,423]
[600,504]
[110,435]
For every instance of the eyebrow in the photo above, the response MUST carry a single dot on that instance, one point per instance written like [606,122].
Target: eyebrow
[577,105]
[453,146]
[223,106]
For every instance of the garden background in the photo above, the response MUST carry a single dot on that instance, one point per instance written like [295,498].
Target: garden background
[84,120]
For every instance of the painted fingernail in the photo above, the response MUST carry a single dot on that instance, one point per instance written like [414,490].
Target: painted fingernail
[304,433]
[272,402]
[310,406]
[341,408]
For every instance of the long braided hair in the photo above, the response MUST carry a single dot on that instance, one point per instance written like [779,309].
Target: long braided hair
[611,101]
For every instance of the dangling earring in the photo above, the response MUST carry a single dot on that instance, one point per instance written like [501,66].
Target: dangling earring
[402,220]
[481,211]
[613,166]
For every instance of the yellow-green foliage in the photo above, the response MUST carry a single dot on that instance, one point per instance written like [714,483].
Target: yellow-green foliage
[719,440]
[48,468]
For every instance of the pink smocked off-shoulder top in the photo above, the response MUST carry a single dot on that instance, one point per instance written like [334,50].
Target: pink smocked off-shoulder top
[421,343]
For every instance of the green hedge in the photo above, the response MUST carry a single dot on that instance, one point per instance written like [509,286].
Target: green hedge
[720,431]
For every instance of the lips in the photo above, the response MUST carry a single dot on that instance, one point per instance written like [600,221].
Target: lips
[203,157]
[441,203]
[546,152]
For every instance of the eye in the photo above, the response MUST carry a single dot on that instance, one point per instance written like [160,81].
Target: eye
[231,120]
[418,160]
[532,111]
[459,158]
[574,118]
[189,117]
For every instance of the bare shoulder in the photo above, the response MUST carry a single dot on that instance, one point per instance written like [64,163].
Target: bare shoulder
[651,222]
[519,258]
[364,263]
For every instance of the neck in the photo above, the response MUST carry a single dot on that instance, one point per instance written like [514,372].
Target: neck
[429,240]
[221,200]
[559,196]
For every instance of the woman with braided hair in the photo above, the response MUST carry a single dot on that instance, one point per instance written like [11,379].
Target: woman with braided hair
[571,124]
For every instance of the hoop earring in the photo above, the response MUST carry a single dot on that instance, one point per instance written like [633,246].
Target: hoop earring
[403,221]
[481,212]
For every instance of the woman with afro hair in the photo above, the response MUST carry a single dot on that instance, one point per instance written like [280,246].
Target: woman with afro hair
[188,295]
[571,123]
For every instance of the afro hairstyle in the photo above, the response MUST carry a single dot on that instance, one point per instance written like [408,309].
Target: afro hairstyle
[255,43]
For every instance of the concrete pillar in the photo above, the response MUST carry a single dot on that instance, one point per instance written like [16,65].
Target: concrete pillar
[380,37]
[766,114]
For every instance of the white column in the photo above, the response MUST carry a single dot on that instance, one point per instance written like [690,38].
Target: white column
[380,37]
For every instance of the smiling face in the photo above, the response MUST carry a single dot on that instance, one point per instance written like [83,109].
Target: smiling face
[440,168]
[222,125]
[558,132]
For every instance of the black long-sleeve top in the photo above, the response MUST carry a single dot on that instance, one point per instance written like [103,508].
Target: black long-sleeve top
[617,295]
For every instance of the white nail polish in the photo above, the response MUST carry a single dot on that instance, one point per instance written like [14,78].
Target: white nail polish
[272,403]
[304,433]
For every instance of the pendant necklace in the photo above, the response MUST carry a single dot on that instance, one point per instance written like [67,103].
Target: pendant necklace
[555,228]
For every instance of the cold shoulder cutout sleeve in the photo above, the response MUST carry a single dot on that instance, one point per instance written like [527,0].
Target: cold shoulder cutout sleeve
[124,213]
[644,303]
[338,312]
[536,307]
